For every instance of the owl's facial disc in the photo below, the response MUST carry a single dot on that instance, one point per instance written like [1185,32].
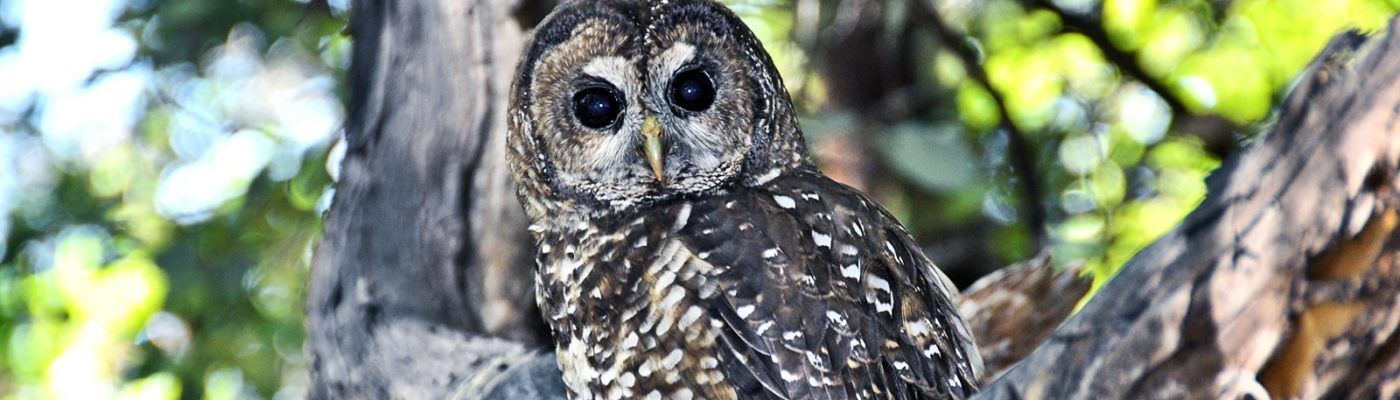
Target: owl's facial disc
[620,102]
[643,120]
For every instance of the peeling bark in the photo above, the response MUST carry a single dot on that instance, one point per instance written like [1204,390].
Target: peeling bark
[1285,282]
[1282,283]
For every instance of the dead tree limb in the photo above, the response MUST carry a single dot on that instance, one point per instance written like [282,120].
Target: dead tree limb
[1282,283]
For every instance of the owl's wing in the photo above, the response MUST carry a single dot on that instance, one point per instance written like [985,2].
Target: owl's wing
[826,296]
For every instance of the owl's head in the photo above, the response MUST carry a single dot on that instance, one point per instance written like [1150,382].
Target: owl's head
[622,102]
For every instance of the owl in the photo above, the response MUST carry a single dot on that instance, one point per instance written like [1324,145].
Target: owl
[687,246]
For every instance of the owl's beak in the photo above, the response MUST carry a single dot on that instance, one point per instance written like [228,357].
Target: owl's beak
[652,146]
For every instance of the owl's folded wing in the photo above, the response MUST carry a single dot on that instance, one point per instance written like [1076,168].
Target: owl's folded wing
[824,296]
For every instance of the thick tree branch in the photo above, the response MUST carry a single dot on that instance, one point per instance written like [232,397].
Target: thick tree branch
[1263,288]
[1284,280]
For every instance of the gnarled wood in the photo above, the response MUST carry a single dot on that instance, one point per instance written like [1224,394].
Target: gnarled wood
[1282,282]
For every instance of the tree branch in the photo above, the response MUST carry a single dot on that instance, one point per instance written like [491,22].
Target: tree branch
[1227,304]
[1284,279]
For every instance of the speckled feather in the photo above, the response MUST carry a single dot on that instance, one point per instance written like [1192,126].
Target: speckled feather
[798,289]
[743,272]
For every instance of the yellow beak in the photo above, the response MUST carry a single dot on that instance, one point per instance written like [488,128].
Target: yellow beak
[652,146]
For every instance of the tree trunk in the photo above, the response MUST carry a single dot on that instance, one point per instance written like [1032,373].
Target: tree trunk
[421,286]
[1284,282]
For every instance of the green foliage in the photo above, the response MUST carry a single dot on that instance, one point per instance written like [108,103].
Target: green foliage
[161,161]
[158,209]
[1115,172]
[1121,176]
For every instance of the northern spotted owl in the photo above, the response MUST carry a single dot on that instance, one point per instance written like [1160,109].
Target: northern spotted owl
[687,247]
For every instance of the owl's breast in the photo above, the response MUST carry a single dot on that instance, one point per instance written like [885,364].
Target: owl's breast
[629,313]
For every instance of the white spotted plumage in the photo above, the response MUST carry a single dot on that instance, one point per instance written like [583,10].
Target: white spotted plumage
[734,269]
[707,316]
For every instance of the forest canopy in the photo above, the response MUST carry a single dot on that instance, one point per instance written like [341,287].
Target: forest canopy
[164,165]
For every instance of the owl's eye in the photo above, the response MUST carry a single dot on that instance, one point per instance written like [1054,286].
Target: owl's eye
[692,90]
[597,107]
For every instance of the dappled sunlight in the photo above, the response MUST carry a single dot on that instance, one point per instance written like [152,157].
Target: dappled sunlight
[164,164]
[285,107]
[112,166]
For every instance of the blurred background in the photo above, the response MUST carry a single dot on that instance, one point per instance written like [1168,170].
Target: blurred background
[164,163]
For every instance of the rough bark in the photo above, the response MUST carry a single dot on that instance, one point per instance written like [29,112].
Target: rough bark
[424,261]
[1284,282]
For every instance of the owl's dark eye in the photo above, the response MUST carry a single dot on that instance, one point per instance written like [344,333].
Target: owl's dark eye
[597,107]
[692,90]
